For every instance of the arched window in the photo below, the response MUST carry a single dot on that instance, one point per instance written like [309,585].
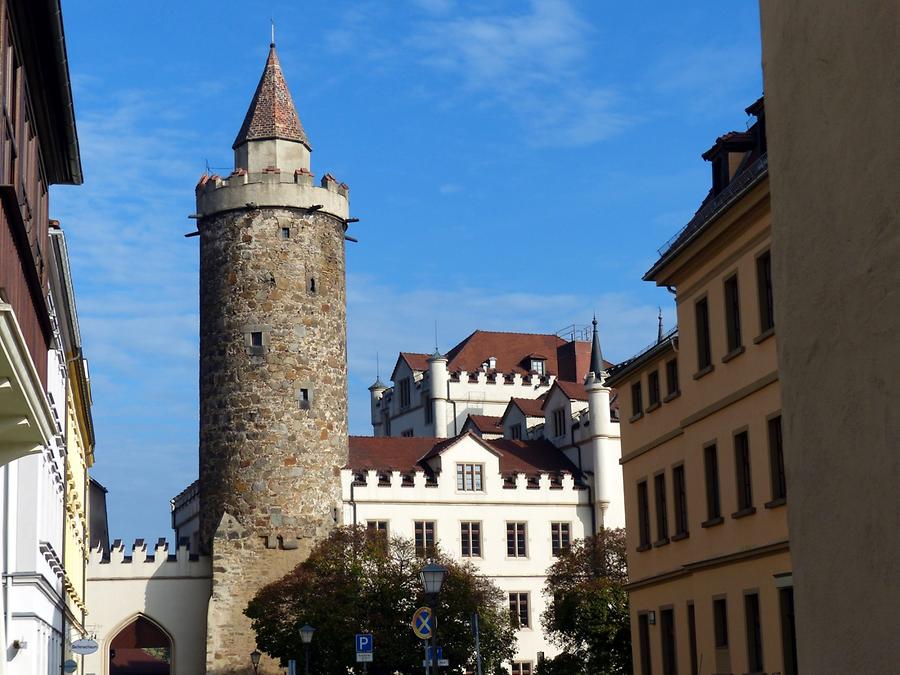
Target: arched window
[140,648]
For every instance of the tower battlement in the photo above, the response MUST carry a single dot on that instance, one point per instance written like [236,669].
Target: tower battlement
[272,188]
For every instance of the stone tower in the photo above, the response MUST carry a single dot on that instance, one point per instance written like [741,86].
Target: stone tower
[273,366]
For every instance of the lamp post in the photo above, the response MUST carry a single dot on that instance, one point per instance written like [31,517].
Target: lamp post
[433,576]
[254,659]
[306,634]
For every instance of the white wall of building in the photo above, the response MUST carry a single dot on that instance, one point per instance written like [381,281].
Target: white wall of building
[493,507]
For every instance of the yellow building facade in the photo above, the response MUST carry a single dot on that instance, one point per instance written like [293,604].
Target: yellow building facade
[702,456]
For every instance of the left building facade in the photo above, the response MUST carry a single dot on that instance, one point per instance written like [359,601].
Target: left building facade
[46,433]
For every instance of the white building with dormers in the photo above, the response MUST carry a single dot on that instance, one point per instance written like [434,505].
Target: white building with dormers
[507,493]
[432,395]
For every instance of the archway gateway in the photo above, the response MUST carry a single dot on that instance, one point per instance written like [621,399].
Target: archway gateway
[140,648]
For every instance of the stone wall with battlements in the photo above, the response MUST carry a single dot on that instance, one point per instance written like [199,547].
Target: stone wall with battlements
[273,387]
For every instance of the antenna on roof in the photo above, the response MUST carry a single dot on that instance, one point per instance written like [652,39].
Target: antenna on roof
[273,31]
[435,336]
[377,367]
[207,167]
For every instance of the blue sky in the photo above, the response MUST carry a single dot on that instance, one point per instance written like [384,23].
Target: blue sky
[515,166]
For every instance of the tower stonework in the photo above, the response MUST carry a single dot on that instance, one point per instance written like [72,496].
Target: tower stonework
[273,364]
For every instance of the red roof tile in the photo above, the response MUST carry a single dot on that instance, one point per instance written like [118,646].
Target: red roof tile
[530,407]
[510,349]
[410,454]
[486,424]
[575,392]
[272,113]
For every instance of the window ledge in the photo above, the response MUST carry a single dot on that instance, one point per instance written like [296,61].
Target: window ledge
[712,522]
[671,397]
[636,417]
[743,513]
[661,542]
[653,406]
[680,536]
[704,371]
[775,503]
[765,335]
[733,354]
[643,547]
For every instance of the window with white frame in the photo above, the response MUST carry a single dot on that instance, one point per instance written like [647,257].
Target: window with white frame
[424,537]
[518,609]
[560,537]
[469,477]
[470,539]
[516,539]
[521,668]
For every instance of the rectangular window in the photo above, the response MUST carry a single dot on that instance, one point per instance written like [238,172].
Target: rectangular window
[404,392]
[662,517]
[776,459]
[720,623]
[643,515]
[560,537]
[516,431]
[285,233]
[742,471]
[711,464]
[704,351]
[644,644]
[679,491]
[256,339]
[754,633]
[521,668]
[469,477]
[732,314]
[406,433]
[518,609]
[424,534]
[667,630]
[692,638]
[788,630]
[559,422]
[764,284]
[637,399]
[672,377]
[653,387]
[470,535]
[516,540]
[537,366]
[429,410]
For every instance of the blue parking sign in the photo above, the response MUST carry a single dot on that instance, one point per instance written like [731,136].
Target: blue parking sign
[364,643]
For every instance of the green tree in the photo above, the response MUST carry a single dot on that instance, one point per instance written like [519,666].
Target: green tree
[354,582]
[587,608]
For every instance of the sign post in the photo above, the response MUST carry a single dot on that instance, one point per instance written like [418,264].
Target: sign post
[365,646]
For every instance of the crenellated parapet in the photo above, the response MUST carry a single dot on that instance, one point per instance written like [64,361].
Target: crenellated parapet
[272,187]
[142,561]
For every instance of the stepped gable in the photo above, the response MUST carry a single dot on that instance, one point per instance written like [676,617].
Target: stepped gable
[272,113]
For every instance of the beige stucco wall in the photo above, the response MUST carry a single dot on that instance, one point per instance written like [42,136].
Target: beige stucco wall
[172,593]
[740,393]
[832,79]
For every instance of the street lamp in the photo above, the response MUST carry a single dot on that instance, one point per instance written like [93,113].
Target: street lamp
[306,634]
[432,576]
[254,659]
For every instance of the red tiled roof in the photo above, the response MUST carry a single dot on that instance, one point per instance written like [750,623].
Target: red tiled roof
[575,392]
[386,453]
[539,456]
[416,361]
[510,349]
[486,424]
[410,454]
[530,407]
[272,113]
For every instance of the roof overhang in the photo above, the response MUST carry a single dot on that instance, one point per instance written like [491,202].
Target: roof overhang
[26,420]
[626,369]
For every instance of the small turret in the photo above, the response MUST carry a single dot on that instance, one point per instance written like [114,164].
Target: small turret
[439,378]
[603,431]
[272,135]
[376,392]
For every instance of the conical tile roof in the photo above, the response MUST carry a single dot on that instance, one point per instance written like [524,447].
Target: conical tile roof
[272,113]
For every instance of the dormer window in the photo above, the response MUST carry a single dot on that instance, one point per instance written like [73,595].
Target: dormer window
[537,365]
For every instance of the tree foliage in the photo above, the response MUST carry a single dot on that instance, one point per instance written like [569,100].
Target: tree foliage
[354,582]
[587,608]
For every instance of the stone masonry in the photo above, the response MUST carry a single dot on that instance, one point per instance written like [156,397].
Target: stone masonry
[273,373]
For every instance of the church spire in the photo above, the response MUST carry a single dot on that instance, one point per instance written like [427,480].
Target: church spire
[597,364]
[271,116]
